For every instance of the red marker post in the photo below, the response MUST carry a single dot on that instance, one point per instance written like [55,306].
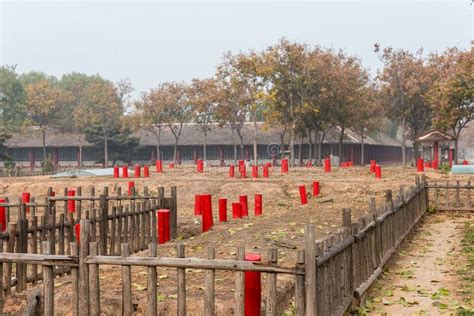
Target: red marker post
[236,210]
[258,204]
[161,226]
[253,287]
[245,206]
[137,171]
[146,171]
[243,172]
[116,171]
[303,196]
[327,165]
[315,188]
[378,172]
[26,198]
[222,210]
[231,171]
[71,204]
[207,220]
[3,216]
[265,171]
[159,166]
[372,166]
[200,166]
[254,171]
[465,162]
[131,188]
[284,166]
[420,165]
[77,230]
[125,171]
[171,165]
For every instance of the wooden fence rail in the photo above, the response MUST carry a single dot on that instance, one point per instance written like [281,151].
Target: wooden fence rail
[330,274]
[451,197]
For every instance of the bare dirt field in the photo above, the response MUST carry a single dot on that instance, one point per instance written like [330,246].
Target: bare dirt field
[281,225]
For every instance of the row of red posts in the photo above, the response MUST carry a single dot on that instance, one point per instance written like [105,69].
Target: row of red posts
[376,168]
[304,195]
[203,207]
[255,170]
[347,164]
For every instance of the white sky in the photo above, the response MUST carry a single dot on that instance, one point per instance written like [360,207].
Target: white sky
[152,41]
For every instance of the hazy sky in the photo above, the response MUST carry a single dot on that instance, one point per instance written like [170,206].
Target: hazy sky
[151,41]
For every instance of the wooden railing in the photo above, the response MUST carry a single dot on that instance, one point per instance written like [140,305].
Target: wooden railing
[451,197]
[329,274]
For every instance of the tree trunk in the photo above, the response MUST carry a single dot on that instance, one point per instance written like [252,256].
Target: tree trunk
[43,135]
[300,151]
[175,150]
[456,147]
[320,149]
[255,154]
[80,155]
[106,152]
[416,149]
[158,145]
[310,138]
[242,156]
[204,146]
[341,138]
[362,148]
[282,145]
[404,149]
[292,145]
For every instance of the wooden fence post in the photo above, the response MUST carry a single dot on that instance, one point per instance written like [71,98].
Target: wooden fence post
[151,283]
[75,282]
[84,268]
[310,270]
[103,225]
[272,284]
[94,283]
[209,295]
[127,306]
[300,285]
[48,284]
[240,285]
[174,213]
[181,283]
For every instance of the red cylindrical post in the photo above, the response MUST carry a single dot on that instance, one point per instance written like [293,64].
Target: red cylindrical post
[245,205]
[71,204]
[253,288]
[419,165]
[171,165]
[197,204]
[427,164]
[243,172]
[161,226]
[231,171]
[378,172]
[77,231]
[241,165]
[372,166]
[315,188]
[159,166]
[146,171]
[116,171]
[327,165]
[207,219]
[222,210]
[131,186]
[265,171]
[3,216]
[166,225]
[236,210]
[254,171]
[26,198]
[303,196]
[200,165]
[258,204]
[284,165]
[125,171]
[137,171]
[465,162]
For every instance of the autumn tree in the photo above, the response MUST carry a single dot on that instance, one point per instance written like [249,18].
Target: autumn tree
[12,99]
[204,99]
[102,107]
[43,100]
[404,83]
[452,93]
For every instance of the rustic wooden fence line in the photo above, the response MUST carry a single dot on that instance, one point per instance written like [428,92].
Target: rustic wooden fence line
[451,197]
[330,274]
[114,219]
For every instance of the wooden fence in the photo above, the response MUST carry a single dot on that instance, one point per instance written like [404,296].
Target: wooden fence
[113,218]
[451,197]
[330,274]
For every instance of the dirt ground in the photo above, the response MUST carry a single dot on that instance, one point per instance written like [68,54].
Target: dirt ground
[424,277]
[281,225]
